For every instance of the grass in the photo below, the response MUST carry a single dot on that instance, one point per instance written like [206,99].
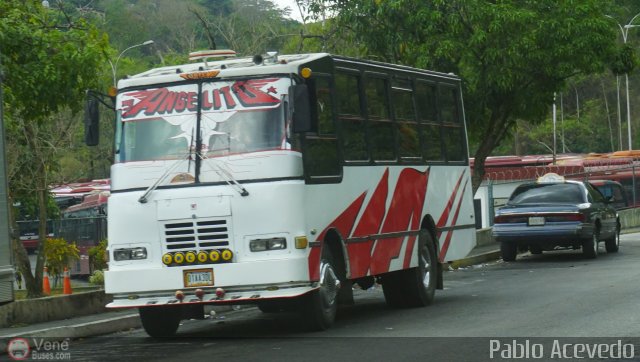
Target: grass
[21,294]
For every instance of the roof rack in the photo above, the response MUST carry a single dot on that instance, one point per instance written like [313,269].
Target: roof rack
[206,54]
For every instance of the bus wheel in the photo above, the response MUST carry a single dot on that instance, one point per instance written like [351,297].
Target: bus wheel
[414,287]
[160,322]
[321,305]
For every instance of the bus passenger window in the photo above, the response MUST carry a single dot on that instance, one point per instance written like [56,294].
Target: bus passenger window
[380,124]
[405,116]
[353,136]
[453,132]
[425,99]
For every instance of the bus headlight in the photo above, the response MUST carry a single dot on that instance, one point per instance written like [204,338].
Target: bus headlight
[268,244]
[130,254]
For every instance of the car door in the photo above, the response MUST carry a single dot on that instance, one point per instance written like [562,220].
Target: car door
[604,210]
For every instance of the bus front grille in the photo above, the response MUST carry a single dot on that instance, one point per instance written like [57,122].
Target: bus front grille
[202,234]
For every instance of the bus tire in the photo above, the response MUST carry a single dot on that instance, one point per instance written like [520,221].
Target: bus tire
[321,305]
[392,289]
[160,322]
[414,287]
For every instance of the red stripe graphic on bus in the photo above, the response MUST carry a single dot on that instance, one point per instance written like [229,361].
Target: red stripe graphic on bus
[445,214]
[445,245]
[405,212]
[369,224]
[344,223]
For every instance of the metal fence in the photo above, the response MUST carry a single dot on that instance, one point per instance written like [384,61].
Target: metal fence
[84,232]
[499,184]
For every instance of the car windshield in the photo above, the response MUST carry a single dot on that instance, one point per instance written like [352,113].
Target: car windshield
[547,193]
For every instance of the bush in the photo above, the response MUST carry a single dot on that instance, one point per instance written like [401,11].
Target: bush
[97,278]
[98,256]
[59,255]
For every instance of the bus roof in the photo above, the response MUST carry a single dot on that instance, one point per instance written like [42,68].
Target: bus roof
[242,66]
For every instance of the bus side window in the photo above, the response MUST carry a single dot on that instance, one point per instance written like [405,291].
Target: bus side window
[452,123]
[321,146]
[425,99]
[352,126]
[405,116]
[382,133]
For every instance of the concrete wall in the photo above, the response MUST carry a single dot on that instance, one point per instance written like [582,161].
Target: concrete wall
[629,218]
[46,309]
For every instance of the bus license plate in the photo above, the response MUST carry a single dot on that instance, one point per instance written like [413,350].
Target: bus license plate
[198,278]
[536,221]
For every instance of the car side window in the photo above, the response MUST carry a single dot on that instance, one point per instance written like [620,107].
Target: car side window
[594,194]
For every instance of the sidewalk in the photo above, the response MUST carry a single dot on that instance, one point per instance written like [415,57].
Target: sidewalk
[120,320]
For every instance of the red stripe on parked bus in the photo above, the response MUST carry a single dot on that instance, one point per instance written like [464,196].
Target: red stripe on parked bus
[369,224]
[445,245]
[344,223]
[405,211]
[445,214]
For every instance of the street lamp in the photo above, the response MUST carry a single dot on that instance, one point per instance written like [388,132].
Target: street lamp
[114,67]
[624,30]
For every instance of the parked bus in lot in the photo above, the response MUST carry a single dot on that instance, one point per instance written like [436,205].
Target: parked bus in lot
[85,225]
[281,181]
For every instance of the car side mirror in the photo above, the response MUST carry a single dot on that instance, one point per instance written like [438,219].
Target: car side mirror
[299,96]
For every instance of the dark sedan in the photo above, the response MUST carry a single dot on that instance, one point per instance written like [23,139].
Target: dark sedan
[555,213]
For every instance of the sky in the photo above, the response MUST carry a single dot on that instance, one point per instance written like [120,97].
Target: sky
[295,14]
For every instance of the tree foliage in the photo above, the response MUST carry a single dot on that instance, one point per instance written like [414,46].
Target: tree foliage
[49,57]
[512,55]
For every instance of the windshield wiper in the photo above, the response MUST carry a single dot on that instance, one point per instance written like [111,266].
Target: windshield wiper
[226,176]
[144,198]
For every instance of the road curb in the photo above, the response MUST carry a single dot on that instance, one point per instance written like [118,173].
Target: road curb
[475,259]
[74,331]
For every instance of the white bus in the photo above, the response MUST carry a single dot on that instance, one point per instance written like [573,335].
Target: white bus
[282,180]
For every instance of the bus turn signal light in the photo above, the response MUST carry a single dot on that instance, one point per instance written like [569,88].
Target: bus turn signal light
[301,242]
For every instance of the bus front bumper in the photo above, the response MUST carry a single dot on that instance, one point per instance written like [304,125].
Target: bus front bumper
[213,295]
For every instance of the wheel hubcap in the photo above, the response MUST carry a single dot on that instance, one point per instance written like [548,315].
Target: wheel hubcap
[425,261]
[329,284]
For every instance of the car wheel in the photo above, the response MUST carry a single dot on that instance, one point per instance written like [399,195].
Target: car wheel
[613,244]
[321,305]
[535,249]
[509,251]
[590,246]
[160,322]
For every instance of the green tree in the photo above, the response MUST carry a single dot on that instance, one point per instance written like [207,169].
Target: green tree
[50,57]
[512,55]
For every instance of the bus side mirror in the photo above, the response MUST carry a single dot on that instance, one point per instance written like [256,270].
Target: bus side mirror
[91,121]
[299,94]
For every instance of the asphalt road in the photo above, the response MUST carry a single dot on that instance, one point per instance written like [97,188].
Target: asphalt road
[539,298]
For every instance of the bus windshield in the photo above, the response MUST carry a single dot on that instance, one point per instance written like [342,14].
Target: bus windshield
[235,117]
